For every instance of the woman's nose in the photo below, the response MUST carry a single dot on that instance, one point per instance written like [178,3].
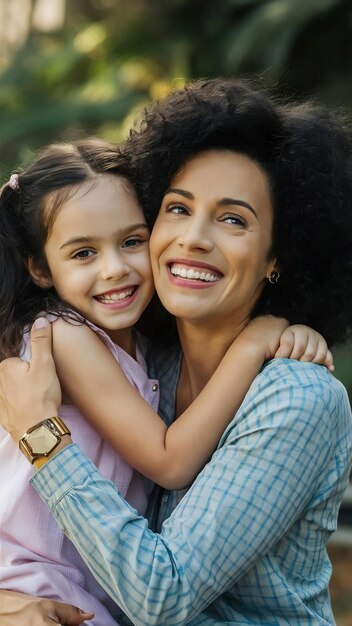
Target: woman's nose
[196,235]
[114,266]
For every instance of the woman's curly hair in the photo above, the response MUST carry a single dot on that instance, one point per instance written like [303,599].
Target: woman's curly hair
[305,151]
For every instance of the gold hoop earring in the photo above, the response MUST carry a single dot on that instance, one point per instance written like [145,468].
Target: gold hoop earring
[273,277]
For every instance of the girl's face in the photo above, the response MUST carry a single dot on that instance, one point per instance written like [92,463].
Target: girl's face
[98,255]
[211,241]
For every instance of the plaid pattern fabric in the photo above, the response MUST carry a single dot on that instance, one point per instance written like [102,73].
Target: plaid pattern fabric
[246,544]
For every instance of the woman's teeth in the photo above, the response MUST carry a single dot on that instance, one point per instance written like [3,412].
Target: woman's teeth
[192,274]
[113,297]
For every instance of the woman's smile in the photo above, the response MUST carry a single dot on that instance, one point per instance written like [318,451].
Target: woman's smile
[210,246]
[193,274]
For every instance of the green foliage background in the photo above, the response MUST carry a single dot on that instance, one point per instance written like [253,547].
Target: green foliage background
[110,58]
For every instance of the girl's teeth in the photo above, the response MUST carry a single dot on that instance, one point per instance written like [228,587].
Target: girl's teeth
[115,296]
[192,274]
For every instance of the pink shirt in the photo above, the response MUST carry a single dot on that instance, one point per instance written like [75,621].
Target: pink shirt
[35,555]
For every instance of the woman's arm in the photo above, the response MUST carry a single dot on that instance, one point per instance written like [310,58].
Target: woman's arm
[19,609]
[268,467]
[172,456]
[169,578]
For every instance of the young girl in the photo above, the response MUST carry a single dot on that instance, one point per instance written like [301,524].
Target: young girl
[74,245]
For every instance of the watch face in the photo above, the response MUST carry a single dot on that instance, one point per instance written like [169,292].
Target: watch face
[41,440]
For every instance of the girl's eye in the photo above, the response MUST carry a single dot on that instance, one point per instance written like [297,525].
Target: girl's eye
[133,242]
[83,254]
[235,220]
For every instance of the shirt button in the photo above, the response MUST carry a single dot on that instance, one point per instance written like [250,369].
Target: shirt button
[155,387]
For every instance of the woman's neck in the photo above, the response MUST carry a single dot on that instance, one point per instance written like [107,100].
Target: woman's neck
[203,348]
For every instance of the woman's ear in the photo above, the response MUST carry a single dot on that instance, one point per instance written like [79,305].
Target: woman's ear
[273,274]
[272,267]
[39,274]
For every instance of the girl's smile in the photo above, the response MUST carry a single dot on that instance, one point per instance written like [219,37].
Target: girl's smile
[118,298]
[97,255]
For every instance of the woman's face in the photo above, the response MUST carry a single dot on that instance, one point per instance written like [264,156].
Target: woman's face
[211,241]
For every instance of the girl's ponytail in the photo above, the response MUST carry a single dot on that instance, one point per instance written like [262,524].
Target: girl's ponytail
[14,277]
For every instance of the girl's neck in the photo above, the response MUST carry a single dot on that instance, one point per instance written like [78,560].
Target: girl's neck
[124,338]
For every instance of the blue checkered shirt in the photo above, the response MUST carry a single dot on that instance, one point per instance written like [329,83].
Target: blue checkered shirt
[247,542]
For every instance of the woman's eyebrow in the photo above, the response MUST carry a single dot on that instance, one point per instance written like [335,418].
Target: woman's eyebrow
[228,201]
[222,202]
[181,192]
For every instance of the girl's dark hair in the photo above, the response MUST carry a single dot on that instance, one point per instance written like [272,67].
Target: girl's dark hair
[26,217]
[305,151]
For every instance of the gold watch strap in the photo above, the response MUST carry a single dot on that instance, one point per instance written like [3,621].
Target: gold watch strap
[58,423]
[38,463]
[56,420]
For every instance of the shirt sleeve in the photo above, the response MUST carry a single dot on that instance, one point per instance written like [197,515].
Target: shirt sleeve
[267,467]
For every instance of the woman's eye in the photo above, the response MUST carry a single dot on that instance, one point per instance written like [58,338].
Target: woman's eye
[178,209]
[133,242]
[83,254]
[233,219]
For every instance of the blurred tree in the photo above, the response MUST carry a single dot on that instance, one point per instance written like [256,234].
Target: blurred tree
[83,66]
[72,68]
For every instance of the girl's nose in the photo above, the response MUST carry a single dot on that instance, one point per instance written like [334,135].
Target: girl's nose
[114,266]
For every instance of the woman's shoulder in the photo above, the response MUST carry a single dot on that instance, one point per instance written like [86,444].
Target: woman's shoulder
[299,376]
[299,373]
[287,390]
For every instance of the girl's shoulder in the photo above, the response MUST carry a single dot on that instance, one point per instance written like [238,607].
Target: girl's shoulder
[72,329]
[68,329]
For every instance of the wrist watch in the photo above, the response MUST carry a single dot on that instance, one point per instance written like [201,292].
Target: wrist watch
[43,438]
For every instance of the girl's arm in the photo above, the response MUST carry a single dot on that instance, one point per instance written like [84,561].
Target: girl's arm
[172,456]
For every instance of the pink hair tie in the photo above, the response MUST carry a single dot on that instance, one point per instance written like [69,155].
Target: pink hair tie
[14,182]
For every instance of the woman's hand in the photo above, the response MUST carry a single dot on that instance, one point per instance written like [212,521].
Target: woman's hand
[19,609]
[29,392]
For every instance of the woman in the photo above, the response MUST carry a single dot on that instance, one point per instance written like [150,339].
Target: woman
[257,197]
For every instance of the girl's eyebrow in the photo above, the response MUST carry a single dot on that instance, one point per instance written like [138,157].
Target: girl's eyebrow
[222,202]
[85,239]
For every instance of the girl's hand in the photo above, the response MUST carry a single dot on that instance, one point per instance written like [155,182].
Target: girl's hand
[304,344]
[263,334]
